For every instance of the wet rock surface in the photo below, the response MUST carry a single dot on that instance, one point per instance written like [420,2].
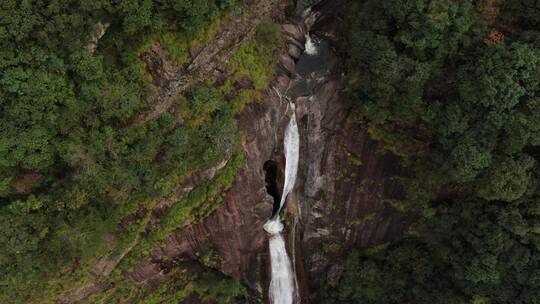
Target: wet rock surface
[294,51]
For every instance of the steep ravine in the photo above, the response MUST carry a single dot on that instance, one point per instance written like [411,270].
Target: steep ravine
[340,199]
[344,181]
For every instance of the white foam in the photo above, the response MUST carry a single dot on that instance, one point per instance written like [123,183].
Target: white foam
[273,226]
[306,12]
[310,46]
[292,155]
[281,289]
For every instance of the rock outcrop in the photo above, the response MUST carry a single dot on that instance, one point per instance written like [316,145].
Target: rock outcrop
[339,202]
[234,230]
[342,191]
[235,30]
[346,180]
[98,32]
[344,183]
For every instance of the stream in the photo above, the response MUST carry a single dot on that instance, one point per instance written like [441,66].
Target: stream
[312,67]
[282,286]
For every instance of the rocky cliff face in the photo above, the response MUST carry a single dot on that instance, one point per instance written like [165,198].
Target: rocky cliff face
[339,201]
[234,230]
[345,179]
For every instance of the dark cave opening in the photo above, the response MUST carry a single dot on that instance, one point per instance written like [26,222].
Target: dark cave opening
[271,171]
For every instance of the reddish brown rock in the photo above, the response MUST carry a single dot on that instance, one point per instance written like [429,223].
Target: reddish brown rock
[25,183]
[339,202]
[288,63]
[234,230]
[282,82]
[344,180]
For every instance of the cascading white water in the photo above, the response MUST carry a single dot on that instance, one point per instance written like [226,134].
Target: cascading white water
[292,152]
[310,46]
[282,283]
[311,68]
[282,287]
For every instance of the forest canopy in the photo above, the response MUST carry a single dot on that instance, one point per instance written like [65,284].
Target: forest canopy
[453,88]
[72,163]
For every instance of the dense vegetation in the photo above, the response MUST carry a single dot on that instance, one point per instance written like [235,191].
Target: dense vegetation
[453,88]
[72,164]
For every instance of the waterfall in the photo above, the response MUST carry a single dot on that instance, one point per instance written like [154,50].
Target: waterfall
[292,151]
[282,286]
[282,283]
[311,68]
[310,46]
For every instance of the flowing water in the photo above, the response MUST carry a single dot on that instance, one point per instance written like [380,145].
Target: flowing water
[291,151]
[282,289]
[311,48]
[312,67]
[283,280]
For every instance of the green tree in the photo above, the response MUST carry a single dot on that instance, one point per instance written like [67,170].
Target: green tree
[509,180]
